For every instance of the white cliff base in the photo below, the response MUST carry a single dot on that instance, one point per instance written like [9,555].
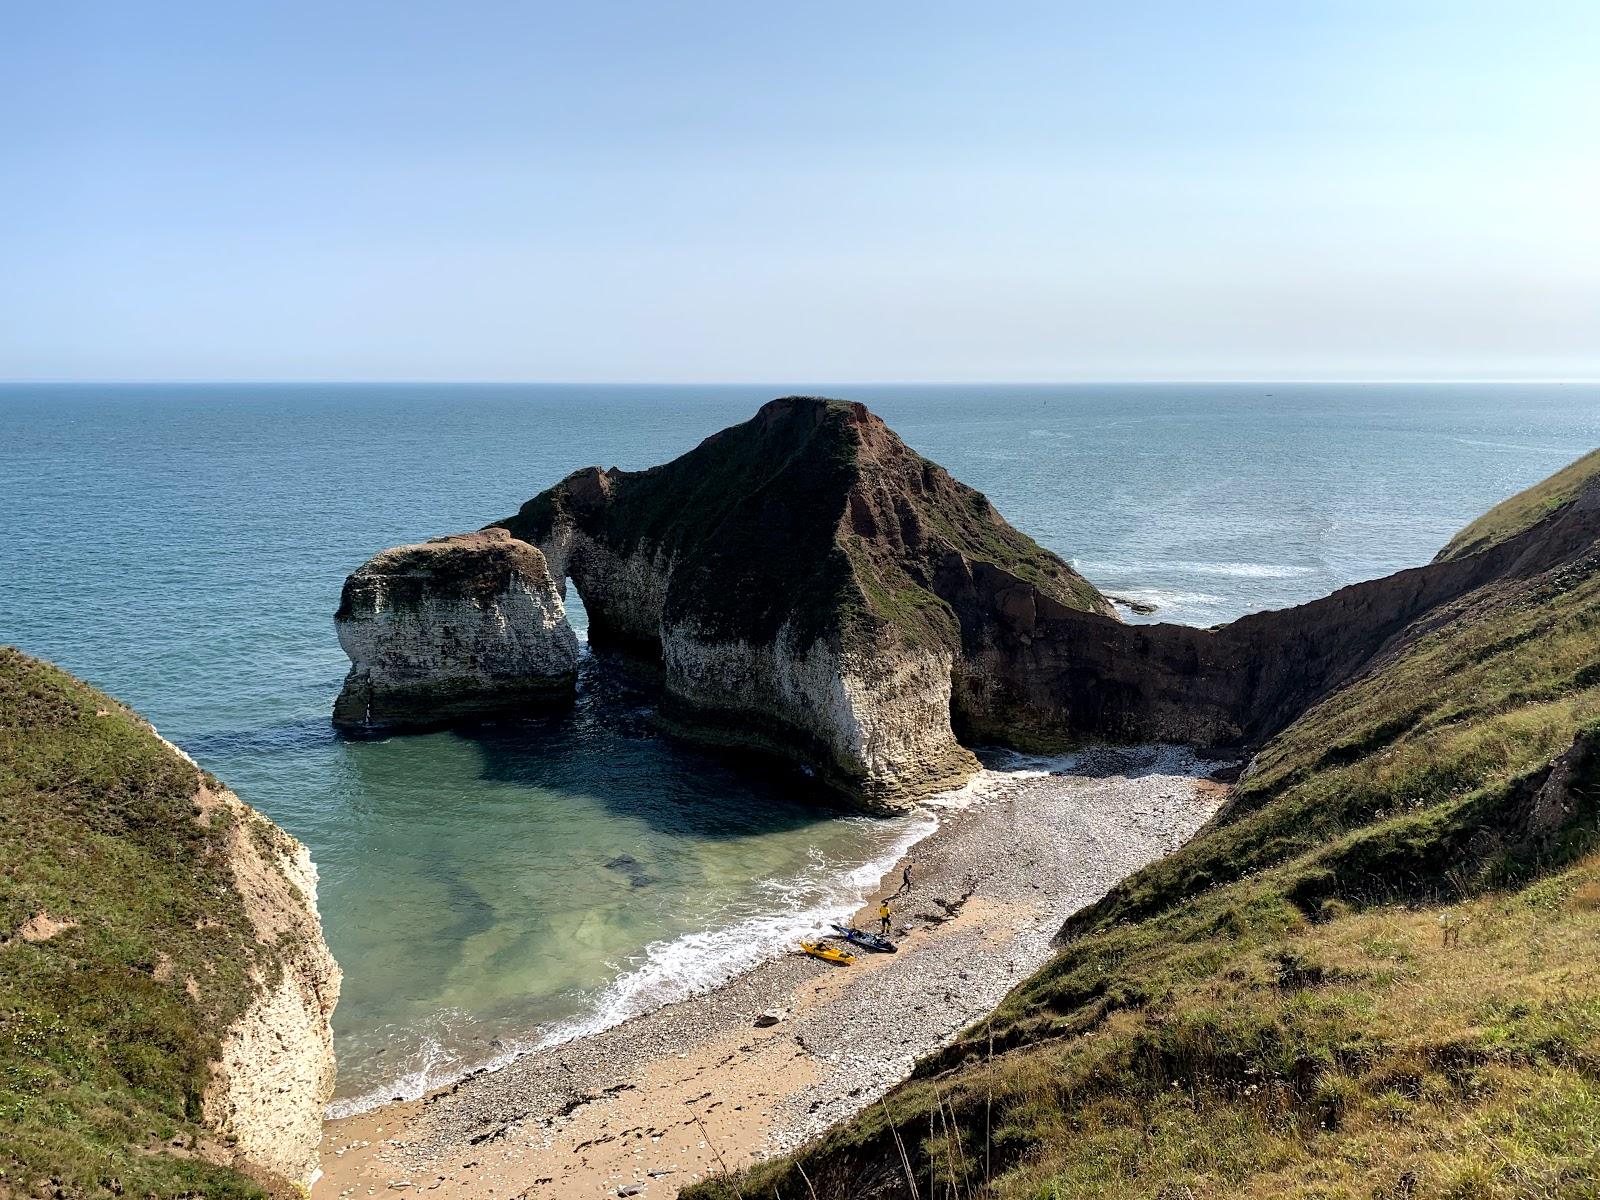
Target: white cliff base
[271,1083]
[875,722]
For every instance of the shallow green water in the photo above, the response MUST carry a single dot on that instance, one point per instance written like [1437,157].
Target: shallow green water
[535,879]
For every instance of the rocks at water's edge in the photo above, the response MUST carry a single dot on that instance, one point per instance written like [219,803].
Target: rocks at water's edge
[1143,608]
[452,628]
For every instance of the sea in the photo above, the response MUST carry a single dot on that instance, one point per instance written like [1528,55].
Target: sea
[182,547]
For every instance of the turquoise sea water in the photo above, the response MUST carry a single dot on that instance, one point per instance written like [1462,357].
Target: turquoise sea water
[183,548]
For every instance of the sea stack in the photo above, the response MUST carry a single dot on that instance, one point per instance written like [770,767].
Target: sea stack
[806,582]
[454,628]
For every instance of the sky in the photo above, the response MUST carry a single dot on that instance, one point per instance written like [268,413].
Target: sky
[885,191]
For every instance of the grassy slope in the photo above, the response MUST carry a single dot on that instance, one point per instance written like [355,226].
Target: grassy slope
[103,1055]
[1271,1012]
[1526,508]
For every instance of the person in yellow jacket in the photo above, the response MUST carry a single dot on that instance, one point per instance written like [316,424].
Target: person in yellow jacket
[883,917]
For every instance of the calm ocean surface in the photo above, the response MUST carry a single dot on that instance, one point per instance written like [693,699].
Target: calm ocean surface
[183,548]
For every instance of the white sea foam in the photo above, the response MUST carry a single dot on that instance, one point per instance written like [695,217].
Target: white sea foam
[1229,570]
[673,969]
[1511,446]
[692,964]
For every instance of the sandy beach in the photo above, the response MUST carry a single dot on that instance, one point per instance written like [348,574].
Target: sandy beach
[650,1105]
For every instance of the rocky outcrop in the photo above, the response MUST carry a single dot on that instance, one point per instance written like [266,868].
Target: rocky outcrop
[808,585]
[453,628]
[789,575]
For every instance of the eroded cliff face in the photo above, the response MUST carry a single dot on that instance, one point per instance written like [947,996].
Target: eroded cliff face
[786,576]
[1039,675]
[275,1074]
[872,723]
[452,628]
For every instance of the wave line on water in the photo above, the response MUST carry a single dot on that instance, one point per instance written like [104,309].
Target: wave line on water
[676,969]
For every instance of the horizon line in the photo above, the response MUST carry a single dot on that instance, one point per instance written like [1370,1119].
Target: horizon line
[730,383]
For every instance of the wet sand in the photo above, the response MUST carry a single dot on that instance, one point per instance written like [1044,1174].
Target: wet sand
[695,1087]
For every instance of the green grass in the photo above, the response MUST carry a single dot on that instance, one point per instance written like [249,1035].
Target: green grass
[104,1054]
[1495,691]
[1274,1011]
[1525,509]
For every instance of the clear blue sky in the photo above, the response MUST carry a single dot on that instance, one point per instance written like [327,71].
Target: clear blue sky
[811,191]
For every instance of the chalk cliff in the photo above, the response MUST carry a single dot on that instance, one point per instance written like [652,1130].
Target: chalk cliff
[452,628]
[792,575]
[275,1070]
[161,958]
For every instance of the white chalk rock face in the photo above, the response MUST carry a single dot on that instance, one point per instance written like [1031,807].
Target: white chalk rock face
[275,1075]
[873,722]
[452,628]
[271,1082]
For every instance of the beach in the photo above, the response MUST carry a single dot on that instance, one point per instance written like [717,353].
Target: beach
[652,1104]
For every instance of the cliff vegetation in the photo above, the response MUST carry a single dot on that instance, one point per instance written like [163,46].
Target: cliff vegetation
[1524,510]
[812,512]
[1373,975]
[126,951]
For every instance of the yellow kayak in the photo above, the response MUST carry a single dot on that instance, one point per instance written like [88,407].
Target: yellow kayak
[828,953]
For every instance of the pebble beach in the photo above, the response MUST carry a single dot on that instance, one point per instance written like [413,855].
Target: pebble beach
[698,1086]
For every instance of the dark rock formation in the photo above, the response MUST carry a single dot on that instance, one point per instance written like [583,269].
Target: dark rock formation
[810,586]
[798,577]
[1142,607]
[456,627]
[1037,674]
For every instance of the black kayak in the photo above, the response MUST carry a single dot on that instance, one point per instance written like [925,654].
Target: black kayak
[870,941]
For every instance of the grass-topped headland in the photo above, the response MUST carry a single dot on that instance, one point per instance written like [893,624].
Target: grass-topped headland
[1526,509]
[126,950]
[811,515]
[806,583]
[1373,975]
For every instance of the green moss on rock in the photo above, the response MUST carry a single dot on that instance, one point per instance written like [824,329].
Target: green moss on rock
[812,514]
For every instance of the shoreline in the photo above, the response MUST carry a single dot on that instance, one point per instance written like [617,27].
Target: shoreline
[684,1090]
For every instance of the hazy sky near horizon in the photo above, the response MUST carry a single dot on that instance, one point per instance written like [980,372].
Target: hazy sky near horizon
[707,191]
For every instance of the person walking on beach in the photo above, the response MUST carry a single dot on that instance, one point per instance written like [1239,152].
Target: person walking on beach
[905,878]
[883,917]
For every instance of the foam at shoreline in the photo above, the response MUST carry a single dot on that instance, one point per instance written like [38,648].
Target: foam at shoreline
[673,969]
